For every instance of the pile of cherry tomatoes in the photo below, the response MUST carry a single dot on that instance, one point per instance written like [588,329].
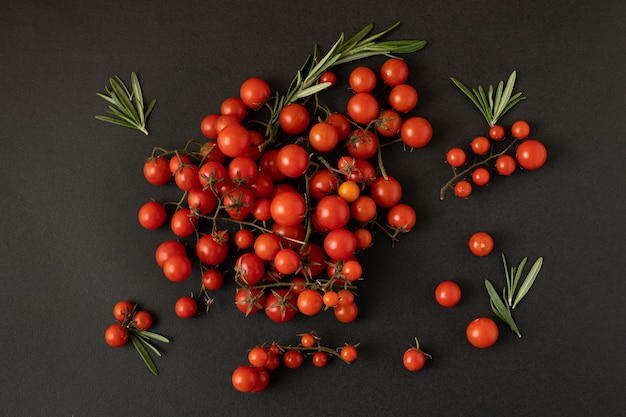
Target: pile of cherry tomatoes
[286,206]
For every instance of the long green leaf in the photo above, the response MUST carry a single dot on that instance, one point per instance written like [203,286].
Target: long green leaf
[114,121]
[120,90]
[528,282]
[154,336]
[138,96]
[150,107]
[498,305]
[313,89]
[518,275]
[506,95]
[144,354]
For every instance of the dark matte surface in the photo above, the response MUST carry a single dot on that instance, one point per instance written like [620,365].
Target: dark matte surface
[71,186]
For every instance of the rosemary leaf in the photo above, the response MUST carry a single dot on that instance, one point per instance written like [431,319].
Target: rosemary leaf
[152,335]
[144,354]
[528,282]
[500,308]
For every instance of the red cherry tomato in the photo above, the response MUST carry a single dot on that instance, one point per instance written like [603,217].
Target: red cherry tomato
[482,332]
[448,294]
[481,244]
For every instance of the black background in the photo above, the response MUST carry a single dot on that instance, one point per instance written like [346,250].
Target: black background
[71,186]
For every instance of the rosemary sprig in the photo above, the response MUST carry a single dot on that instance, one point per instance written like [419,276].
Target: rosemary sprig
[503,306]
[358,47]
[126,106]
[142,339]
[492,107]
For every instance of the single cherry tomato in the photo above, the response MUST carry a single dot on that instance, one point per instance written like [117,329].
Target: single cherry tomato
[328,77]
[177,268]
[142,320]
[394,71]
[482,332]
[416,132]
[480,145]
[254,92]
[294,118]
[496,133]
[346,313]
[323,137]
[456,157]
[348,353]
[481,243]
[520,129]
[244,378]
[212,279]
[403,98]
[481,176]
[186,307]
[307,340]
[319,359]
[116,335]
[505,165]
[401,217]
[258,356]
[207,126]
[531,154]
[363,108]
[463,189]
[310,302]
[152,215]
[389,123]
[293,359]
[156,170]
[123,310]
[362,80]
[448,294]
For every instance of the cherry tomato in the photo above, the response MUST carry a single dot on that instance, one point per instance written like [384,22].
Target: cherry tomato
[482,332]
[258,356]
[249,300]
[386,192]
[341,123]
[480,145]
[212,249]
[505,165]
[332,212]
[531,154]
[456,157]
[322,183]
[157,170]
[186,177]
[363,238]
[328,77]
[177,268]
[294,118]
[242,170]
[481,176]
[279,306]
[413,359]
[394,71]
[249,268]
[123,310]
[254,92]
[267,245]
[238,202]
[212,279]
[330,298]
[362,80]
[212,175]
[186,307]
[142,320]
[310,302]
[319,359]
[389,123]
[463,189]
[293,359]
[448,293]
[207,125]
[292,160]
[233,140]
[244,378]
[287,261]
[401,217]
[346,313]
[352,270]
[323,137]
[363,108]
[152,215]
[403,98]
[349,191]
[183,222]
[339,244]
[167,249]
[496,133]
[288,208]
[267,164]
[348,353]
[263,379]
[178,161]
[243,239]
[362,144]
[520,129]
[116,335]
[363,209]
[416,132]
[307,339]
[481,243]
[202,201]
[234,106]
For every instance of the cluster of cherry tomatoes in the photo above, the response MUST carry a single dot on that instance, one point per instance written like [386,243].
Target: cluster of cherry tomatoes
[255,376]
[128,317]
[296,199]
[530,154]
